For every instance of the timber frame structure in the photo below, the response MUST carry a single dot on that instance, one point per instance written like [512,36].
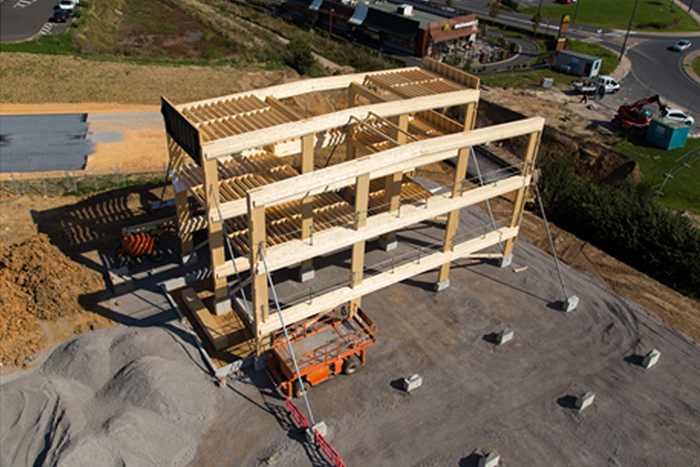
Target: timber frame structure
[237,172]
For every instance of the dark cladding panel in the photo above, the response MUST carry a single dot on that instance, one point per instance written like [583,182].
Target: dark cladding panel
[182,131]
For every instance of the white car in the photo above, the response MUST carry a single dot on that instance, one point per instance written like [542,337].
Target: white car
[681,46]
[68,4]
[678,116]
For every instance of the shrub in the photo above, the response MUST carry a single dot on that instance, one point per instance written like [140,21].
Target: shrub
[300,58]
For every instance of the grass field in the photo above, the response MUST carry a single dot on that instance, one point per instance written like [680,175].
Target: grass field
[682,191]
[651,15]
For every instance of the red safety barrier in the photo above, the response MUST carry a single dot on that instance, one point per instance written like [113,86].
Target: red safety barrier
[302,422]
[328,450]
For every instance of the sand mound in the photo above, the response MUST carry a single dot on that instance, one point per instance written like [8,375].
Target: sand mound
[39,283]
[118,396]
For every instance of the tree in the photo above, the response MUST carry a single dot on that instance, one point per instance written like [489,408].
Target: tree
[536,20]
[301,58]
[494,8]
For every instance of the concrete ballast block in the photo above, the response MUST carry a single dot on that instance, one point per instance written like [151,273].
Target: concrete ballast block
[506,261]
[411,383]
[505,336]
[121,280]
[490,460]
[570,304]
[388,245]
[306,274]
[584,400]
[440,286]
[651,358]
[320,427]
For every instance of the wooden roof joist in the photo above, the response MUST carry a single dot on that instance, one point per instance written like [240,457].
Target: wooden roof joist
[329,83]
[329,241]
[283,222]
[267,136]
[399,159]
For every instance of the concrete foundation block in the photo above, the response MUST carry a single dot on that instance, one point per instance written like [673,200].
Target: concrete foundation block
[650,359]
[506,261]
[388,245]
[320,427]
[121,280]
[440,286]
[188,258]
[223,306]
[570,304]
[306,274]
[412,383]
[505,336]
[584,400]
[490,460]
[259,363]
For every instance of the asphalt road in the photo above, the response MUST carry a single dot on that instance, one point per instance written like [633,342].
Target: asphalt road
[655,70]
[23,19]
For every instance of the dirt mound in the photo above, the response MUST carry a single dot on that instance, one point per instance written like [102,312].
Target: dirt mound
[40,284]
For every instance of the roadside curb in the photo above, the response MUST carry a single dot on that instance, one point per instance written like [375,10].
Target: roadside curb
[687,66]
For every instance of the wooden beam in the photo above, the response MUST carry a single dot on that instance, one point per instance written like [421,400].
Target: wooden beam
[288,112]
[451,73]
[256,226]
[399,273]
[328,241]
[453,217]
[533,145]
[331,240]
[266,136]
[295,88]
[216,234]
[397,159]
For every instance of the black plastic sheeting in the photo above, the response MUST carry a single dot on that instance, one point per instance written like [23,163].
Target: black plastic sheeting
[38,143]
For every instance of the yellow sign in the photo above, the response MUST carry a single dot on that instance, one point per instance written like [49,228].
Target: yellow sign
[446,27]
[566,18]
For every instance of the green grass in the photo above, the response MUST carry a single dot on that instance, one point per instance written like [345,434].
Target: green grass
[696,65]
[610,58]
[683,190]
[49,44]
[651,15]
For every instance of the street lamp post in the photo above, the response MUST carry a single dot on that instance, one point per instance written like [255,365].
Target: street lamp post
[690,7]
[576,11]
[629,26]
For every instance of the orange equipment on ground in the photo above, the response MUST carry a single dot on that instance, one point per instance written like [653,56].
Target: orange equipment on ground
[138,244]
[324,346]
[635,118]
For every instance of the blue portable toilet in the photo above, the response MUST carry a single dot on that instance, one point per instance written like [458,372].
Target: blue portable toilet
[667,133]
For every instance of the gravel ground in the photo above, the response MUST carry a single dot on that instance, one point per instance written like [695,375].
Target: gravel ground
[134,395]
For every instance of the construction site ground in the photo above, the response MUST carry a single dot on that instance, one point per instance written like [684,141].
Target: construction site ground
[139,391]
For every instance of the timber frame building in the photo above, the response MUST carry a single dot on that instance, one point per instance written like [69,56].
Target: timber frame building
[230,154]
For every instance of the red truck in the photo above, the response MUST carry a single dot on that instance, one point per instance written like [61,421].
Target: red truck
[324,346]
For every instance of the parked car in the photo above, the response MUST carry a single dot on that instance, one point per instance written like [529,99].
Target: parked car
[607,83]
[60,16]
[67,5]
[677,115]
[681,46]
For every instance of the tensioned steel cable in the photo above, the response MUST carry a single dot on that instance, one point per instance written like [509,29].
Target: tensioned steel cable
[481,183]
[286,335]
[549,235]
[230,248]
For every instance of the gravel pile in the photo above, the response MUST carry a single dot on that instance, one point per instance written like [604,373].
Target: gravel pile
[118,396]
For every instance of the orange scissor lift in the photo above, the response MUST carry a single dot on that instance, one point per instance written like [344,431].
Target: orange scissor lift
[324,346]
